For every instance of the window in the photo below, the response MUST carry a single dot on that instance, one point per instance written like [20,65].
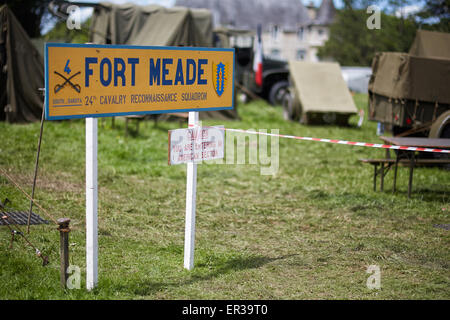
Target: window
[275,53]
[320,31]
[301,54]
[241,41]
[275,32]
[300,33]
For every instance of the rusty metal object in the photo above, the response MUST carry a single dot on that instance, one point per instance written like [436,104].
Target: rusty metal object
[63,228]
[21,218]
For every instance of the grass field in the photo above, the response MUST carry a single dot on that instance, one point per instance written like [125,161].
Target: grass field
[308,232]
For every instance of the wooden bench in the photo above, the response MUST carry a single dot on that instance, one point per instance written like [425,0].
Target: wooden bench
[137,119]
[386,164]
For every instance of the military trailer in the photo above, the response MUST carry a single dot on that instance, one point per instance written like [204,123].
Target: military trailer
[409,92]
[317,94]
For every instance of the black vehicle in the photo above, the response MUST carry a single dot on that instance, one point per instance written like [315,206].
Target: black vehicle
[275,72]
[275,81]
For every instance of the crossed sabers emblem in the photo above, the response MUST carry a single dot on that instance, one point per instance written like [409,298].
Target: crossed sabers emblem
[76,87]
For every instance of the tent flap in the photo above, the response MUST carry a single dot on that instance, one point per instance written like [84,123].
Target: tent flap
[22,72]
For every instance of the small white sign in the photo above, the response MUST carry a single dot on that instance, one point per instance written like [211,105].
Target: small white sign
[196,144]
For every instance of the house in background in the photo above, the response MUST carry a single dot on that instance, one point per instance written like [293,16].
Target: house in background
[291,31]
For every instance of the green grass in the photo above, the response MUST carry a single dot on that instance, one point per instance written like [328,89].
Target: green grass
[309,232]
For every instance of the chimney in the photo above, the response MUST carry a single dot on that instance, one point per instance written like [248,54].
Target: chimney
[312,11]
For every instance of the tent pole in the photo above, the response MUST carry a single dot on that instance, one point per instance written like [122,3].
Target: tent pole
[36,168]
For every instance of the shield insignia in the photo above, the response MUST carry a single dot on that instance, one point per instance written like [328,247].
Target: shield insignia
[219,77]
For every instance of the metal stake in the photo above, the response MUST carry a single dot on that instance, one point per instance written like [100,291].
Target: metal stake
[64,230]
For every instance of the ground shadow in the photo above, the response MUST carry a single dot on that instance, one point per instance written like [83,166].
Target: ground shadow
[429,194]
[234,264]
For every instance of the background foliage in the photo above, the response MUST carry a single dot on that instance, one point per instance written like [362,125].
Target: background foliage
[351,43]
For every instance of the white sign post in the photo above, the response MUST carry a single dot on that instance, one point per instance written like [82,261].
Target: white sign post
[91,204]
[191,194]
[191,146]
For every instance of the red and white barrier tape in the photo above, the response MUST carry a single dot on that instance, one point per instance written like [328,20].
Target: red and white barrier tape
[359,144]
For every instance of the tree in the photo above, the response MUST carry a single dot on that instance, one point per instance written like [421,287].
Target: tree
[60,32]
[31,14]
[351,43]
[438,8]
[435,15]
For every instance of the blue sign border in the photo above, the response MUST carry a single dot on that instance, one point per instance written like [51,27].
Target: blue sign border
[109,46]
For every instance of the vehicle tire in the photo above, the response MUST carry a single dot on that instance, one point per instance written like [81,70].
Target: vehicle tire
[296,106]
[288,106]
[441,129]
[304,119]
[277,92]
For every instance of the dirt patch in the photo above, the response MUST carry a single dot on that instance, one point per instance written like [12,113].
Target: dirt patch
[59,181]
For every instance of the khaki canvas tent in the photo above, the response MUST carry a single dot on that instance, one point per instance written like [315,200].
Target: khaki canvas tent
[154,25]
[408,92]
[151,25]
[431,44]
[318,94]
[21,72]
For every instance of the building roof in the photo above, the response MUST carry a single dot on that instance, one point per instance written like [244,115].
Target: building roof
[288,14]
[326,13]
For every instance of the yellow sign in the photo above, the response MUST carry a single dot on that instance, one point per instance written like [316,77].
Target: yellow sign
[88,80]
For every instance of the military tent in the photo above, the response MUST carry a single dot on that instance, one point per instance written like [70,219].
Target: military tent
[151,25]
[431,44]
[154,25]
[320,93]
[21,72]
